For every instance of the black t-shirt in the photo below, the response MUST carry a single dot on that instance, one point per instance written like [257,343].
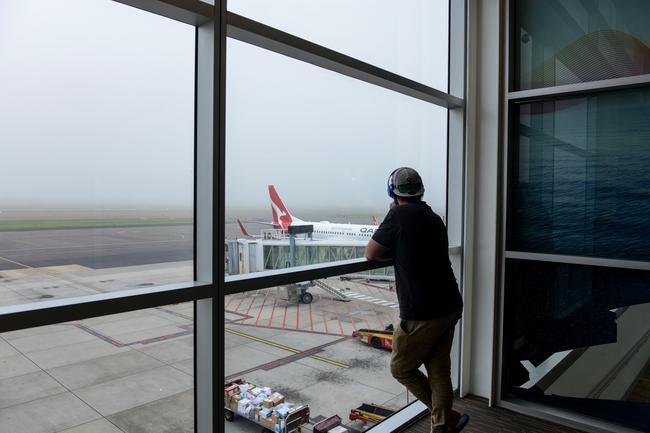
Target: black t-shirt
[417,240]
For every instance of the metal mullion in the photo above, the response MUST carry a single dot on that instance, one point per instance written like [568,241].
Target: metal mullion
[578,89]
[218,303]
[269,38]
[193,12]
[261,280]
[579,260]
[101,304]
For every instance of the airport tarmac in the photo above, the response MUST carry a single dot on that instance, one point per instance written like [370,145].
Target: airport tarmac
[132,372]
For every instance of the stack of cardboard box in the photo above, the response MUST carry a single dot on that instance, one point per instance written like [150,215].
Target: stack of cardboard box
[259,404]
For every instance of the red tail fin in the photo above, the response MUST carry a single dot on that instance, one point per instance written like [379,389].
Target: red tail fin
[243,230]
[281,215]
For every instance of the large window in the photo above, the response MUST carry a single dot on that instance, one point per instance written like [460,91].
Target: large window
[138,269]
[326,143]
[104,374]
[374,31]
[97,150]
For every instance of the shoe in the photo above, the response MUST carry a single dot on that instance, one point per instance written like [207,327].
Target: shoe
[462,422]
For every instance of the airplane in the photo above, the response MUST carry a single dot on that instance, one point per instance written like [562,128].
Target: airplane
[323,230]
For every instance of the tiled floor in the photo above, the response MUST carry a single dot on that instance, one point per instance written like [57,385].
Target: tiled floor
[484,419]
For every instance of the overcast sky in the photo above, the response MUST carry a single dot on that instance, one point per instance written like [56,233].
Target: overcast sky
[96,106]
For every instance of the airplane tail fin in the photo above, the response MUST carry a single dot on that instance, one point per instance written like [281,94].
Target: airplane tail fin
[281,215]
[243,230]
[374,221]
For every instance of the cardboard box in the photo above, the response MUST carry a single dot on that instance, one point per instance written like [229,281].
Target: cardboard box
[277,398]
[268,423]
[268,403]
[233,389]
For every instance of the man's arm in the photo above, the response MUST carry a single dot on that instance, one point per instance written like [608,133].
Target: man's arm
[376,251]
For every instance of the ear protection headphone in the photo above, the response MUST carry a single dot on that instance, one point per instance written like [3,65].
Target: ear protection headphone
[390,186]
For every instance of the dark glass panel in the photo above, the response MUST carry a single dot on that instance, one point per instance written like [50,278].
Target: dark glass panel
[580,179]
[578,337]
[566,41]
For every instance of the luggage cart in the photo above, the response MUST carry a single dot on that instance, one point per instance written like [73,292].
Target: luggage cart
[293,422]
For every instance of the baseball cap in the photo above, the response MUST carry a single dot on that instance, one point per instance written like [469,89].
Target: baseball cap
[406,182]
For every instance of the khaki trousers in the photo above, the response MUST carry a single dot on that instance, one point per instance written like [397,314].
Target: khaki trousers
[428,342]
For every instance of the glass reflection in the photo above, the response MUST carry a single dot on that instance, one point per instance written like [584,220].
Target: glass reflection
[580,178]
[562,41]
[578,337]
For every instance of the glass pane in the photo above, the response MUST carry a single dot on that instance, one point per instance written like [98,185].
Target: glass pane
[410,39]
[129,372]
[96,126]
[580,176]
[331,354]
[576,337]
[564,41]
[327,144]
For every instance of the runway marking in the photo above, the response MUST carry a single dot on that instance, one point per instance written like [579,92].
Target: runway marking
[370,299]
[16,263]
[121,244]
[287,348]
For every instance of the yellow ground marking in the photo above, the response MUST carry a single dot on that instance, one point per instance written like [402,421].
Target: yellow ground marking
[287,348]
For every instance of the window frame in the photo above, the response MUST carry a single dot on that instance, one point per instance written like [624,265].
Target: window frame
[214,24]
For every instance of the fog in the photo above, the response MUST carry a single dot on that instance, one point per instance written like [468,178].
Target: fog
[97,105]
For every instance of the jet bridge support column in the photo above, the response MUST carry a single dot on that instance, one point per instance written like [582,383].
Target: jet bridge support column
[293,231]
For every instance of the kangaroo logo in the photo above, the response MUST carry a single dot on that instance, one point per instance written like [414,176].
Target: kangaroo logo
[281,215]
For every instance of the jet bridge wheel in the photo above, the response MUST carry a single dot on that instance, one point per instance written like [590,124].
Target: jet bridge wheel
[306,298]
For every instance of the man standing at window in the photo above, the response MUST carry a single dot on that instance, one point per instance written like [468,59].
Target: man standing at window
[415,238]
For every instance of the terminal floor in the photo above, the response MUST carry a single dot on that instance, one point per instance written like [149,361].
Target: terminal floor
[484,419]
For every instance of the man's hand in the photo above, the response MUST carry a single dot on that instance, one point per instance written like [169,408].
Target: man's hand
[376,251]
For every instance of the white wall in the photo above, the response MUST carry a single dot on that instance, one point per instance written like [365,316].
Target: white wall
[482,161]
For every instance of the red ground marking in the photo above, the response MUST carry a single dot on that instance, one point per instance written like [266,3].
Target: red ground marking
[252,302]
[347,308]
[232,298]
[273,311]
[298,316]
[240,302]
[336,310]
[381,325]
[284,322]
[365,316]
[266,294]
[322,310]
[311,319]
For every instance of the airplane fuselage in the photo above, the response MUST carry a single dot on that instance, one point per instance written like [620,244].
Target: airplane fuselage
[340,232]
